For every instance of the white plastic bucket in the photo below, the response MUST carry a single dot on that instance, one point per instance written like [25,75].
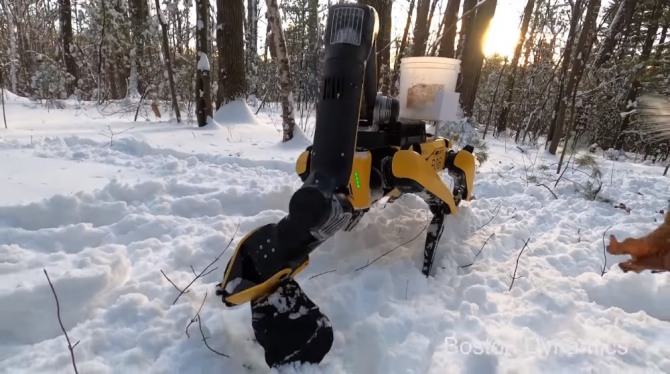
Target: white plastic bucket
[425,82]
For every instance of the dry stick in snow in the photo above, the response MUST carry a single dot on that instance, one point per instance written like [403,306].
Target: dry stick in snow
[547,187]
[69,345]
[602,273]
[478,253]
[196,316]
[514,277]
[497,210]
[204,272]
[320,274]
[204,339]
[387,252]
[112,134]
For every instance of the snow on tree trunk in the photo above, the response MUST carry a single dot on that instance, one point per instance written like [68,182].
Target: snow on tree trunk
[283,67]
[203,88]
[614,32]
[230,43]
[168,62]
[252,46]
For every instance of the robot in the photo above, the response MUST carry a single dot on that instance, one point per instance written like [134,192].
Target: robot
[361,152]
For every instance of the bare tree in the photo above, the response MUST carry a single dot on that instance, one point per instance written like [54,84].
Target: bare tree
[509,87]
[421,28]
[284,69]
[448,39]
[168,62]
[68,47]
[384,9]
[401,48]
[230,42]
[203,88]
[614,32]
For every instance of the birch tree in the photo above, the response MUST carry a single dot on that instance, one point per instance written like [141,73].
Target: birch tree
[203,88]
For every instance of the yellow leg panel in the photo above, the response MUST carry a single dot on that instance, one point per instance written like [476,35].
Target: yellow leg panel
[466,161]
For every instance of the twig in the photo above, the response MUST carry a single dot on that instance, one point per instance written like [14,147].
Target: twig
[197,315]
[69,345]
[602,273]
[514,277]
[478,253]
[549,189]
[204,339]
[320,274]
[172,283]
[206,270]
[387,252]
[492,218]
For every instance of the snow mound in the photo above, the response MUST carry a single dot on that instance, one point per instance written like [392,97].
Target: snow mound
[235,113]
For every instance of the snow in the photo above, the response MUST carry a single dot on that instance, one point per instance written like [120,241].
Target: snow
[203,62]
[104,220]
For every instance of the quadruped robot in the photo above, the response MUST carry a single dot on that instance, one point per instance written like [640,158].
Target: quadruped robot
[361,152]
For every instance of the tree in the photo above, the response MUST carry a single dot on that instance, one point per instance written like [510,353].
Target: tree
[168,62]
[448,38]
[401,49]
[284,69]
[68,47]
[421,28]
[384,9]
[230,42]
[509,87]
[203,88]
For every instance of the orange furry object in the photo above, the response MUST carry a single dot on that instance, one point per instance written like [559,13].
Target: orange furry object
[651,252]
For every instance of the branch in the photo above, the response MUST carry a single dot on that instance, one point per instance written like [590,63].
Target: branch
[492,218]
[204,271]
[204,339]
[547,187]
[197,315]
[514,277]
[320,274]
[405,243]
[172,283]
[480,251]
[602,273]
[69,345]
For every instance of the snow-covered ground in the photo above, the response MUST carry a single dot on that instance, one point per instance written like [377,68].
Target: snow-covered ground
[104,215]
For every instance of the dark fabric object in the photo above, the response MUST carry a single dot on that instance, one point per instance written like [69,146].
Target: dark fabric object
[290,327]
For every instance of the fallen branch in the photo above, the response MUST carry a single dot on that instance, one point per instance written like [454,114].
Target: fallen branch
[60,321]
[480,251]
[204,339]
[204,271]
[172,283]
[405,243]
[196,316]
[514,277]
[320,274]
[549,189]
[497,210]
[602,273]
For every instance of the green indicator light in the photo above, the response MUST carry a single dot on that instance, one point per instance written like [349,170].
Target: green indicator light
[358,182]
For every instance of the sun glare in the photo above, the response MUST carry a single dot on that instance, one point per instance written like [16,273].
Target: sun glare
[501,37]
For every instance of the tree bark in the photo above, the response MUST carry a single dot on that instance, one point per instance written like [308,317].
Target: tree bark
[473,55]
[509,86]
[578,63]
[68,47]
[421,28]
[401,49]
[139,12]
[614,32]
[467,20]
[251,64]
[448,39]
[384,9]
[168,62]
[230,42]
[284,69]
[203,88]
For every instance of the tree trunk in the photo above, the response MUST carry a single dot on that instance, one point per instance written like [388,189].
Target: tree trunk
[139,12]
[614,32]
[252,45]
[284,69]
[421,28]
[467,20]
[578,63]
[509,86]
[230,42]
[68,47]
[473,55]
[203,88]
[168,62]
[448,39]
[384,8]
[401,49]
[493,100]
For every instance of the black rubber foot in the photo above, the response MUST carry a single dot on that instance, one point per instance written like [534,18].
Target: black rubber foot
[290,327]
